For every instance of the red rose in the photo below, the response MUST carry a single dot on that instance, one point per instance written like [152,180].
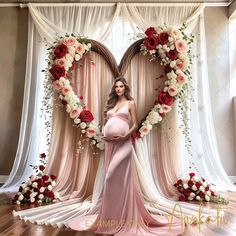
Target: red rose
[182,198]
[198,184]
[191,175]
[64,102]
[190,183]
[151,43]
[207,188]
[27,194]
[187,192]
[165,98]
[60,51]
[16,197]
[81,97]
[163,38]
[45,177]
[203,180]
[57,72]
[213,193]
[40,182]
[53,177]
[167,69]
[150,31]
[86,116]
[20,189]
[172,54]
[176,185]
[179,181]
[41,167]
[201,194]
[43,155]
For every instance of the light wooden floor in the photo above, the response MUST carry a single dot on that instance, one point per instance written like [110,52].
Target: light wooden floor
[12,226]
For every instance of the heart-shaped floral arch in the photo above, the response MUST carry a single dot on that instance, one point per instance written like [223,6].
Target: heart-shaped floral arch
[168,45]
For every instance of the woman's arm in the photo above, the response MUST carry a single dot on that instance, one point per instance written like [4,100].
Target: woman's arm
[133,112]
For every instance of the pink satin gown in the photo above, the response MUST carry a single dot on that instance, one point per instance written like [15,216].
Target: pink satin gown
[122,211]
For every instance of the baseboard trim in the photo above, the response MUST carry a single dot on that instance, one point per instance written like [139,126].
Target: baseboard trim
[3,178]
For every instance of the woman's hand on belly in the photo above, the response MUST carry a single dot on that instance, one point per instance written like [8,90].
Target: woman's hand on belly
[116,138]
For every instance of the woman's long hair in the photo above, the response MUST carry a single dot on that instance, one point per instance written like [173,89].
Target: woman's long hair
[113,97]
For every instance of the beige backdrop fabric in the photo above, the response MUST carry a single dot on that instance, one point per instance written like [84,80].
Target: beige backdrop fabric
[93,79]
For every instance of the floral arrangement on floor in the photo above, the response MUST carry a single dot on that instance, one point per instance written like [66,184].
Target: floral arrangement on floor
[38,188]
[63,54]
[198,189]
[171,47]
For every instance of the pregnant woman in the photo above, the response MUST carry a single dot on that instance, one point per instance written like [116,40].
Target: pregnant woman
[122,211]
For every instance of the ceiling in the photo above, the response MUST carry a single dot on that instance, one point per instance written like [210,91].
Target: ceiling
[100,1]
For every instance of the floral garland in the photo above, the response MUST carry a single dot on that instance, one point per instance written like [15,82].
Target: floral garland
[38,188]
[63,54]
[199,189]
[171,47]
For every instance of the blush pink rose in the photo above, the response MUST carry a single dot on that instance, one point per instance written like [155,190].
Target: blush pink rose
[61,62]
[166,108]
[179,65]
[57,85]
[80,49]
[181,46]
[70,41]
[175,33]
[91,131]
[172,90]
[182,78]
[74,113]
[66,90]
[144,130]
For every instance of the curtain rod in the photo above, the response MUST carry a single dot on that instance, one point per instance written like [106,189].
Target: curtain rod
[207,4]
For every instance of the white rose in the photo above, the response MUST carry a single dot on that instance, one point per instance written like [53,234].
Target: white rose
[171,75]
[192,195]
[173,64]
[195,178]
[33,178]
[198,198]
[83,131]
[18,202]
[172,47]
[201,188]
[35,185]
[21,197]
[204,184]
[185,186]
[208,193]
[153,117]
[39,201]
[89,45]
[68,108]
[32,199]
[93,142]
[33,194]
[42,189]
[56,195]
[82,125]
[40,196]
[71,50]
[69,58]
[77,121]
[100,145]
[170,39]
[53,183]
[50,187]
[194,188]
[190,198]
[77,57]
[207,198]
[159,46]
